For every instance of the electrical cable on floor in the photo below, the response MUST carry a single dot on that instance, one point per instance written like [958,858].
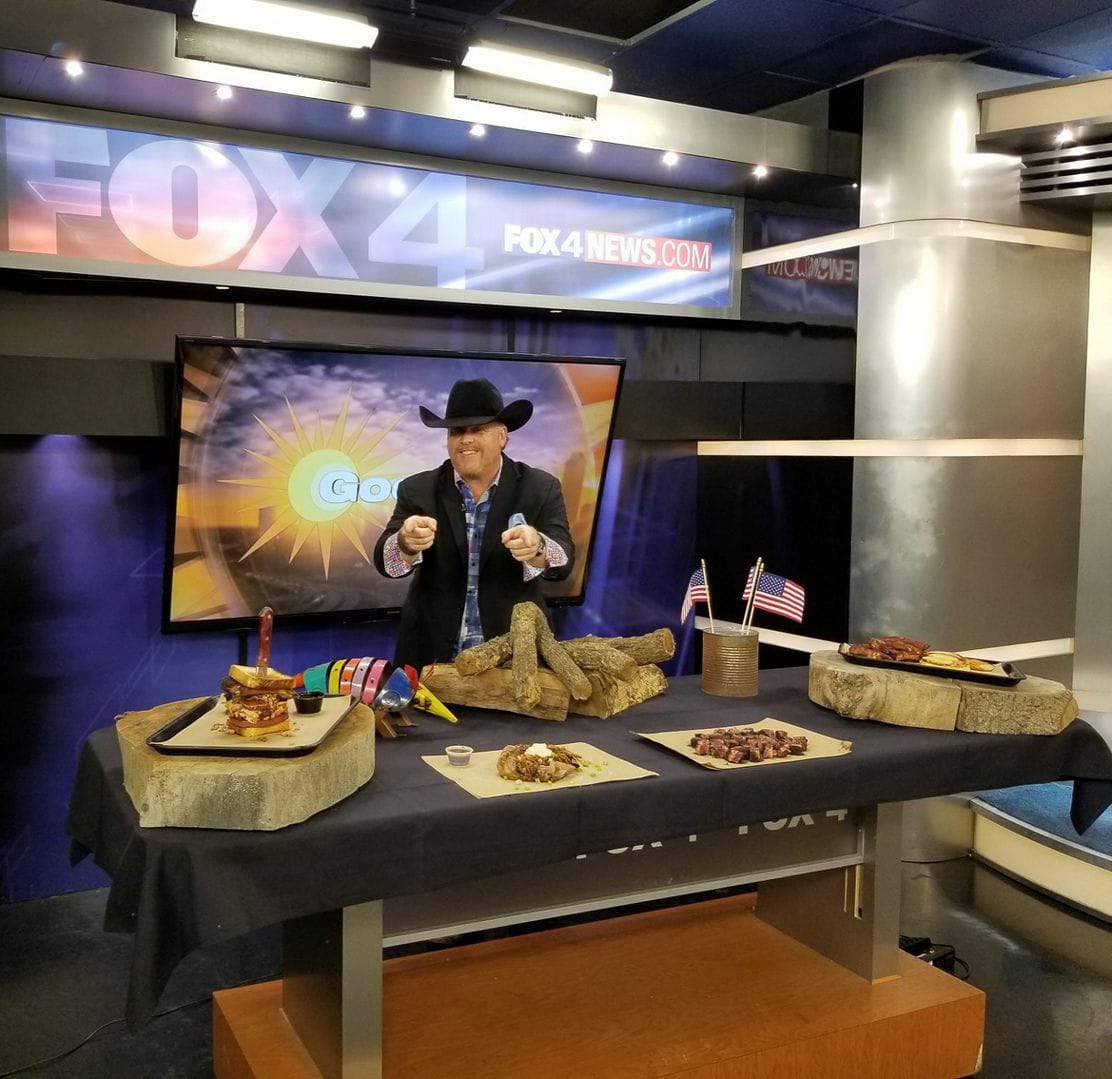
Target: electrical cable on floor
[112,1022]
[65,1052]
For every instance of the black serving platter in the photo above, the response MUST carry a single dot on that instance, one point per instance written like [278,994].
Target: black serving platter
[1003,674]
[310,732]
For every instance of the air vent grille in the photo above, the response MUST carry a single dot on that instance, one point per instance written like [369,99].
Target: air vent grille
[1081,174]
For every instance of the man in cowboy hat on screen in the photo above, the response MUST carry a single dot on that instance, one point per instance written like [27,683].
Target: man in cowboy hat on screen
[452,529]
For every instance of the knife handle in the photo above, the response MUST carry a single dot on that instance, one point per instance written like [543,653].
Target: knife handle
[266,631]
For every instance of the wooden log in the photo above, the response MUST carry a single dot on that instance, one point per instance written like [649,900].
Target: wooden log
[485,656]
[1035,706]
[593,653]
[904,700]
[563,666]
[250,793]
[653,647]
[495,689]
[523,636]
[611,695]
[909,699]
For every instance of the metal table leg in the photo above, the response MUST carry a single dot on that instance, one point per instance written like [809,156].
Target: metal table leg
[332,989]
[850,915]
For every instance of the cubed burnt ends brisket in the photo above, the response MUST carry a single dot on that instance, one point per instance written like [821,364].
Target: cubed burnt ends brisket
[742,745]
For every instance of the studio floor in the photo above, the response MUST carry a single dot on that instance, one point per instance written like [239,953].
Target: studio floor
[1046,970]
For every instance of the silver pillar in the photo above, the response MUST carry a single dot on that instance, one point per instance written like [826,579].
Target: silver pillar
[1092,680]
[962,338]
[918,154]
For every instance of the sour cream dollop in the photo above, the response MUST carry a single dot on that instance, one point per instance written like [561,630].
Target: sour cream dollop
[538,749]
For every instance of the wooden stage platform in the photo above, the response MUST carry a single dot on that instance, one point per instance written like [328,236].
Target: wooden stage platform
[703,991]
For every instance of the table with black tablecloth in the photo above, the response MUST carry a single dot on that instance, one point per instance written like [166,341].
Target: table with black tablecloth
[409,830]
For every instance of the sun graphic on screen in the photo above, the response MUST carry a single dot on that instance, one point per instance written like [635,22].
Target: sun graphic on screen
[312,484]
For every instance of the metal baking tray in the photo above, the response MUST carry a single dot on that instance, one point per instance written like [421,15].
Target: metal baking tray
[200,732]
[1002,674]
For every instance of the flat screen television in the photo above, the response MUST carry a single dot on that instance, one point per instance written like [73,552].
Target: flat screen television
[288,458]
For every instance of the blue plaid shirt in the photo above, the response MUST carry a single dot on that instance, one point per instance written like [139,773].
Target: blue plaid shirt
[475,515]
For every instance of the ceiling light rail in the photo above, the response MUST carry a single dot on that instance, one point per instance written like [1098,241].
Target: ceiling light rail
[167,66]
[524,66]
[281,19]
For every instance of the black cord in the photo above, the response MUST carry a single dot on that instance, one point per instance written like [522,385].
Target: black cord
[64,1053]
[955,959]
[111,1023]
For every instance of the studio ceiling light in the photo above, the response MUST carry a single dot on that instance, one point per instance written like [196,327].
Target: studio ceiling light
[537,68]
[288,20]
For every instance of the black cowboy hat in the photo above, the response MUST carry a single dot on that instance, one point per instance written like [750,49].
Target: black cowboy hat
[473,401]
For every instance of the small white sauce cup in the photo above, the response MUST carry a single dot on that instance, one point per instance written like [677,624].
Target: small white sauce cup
[459,755]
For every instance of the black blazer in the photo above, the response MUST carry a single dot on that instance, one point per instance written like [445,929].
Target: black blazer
[433,609]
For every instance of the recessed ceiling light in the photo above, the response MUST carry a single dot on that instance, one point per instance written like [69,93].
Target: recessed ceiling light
[670,158]
[224,92]
[74,69]
[584,146]
[223,288]
[1065,135]
[357,112]
[760,171]
[478,130]
[854,185]
[537,68]
[298,21]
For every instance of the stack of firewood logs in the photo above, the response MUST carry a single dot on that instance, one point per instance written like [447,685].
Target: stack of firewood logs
[528,670]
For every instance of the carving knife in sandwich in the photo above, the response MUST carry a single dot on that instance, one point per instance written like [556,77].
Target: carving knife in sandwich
[266,632]
[262,675]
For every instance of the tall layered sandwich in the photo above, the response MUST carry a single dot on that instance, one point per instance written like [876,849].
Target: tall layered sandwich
[257,699]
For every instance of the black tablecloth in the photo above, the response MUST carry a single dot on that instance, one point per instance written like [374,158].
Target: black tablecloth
[410,830]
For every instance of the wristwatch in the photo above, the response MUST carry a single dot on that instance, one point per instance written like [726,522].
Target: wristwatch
[542,544]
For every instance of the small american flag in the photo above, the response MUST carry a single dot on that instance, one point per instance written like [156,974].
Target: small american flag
[696,593]
[776,594]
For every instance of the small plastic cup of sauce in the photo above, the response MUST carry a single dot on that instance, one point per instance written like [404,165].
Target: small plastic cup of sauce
[308,704]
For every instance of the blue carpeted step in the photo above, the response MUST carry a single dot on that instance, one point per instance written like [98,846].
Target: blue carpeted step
[1047,806]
